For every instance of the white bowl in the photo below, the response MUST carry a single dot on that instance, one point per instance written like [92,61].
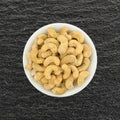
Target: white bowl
[92,67]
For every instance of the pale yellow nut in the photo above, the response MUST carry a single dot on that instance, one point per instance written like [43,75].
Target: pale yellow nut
[87,51]
[51,59]
[71,50]
[52,40]
[38,76]
[46,54]
[33,72]
[77,35]
[85,64]
[58,80]
[77,45]
[50,84]
[66,71]
[38,67]
[63,31]
[63,44]
[75,71]
[52,32]
[42,36]
[40,41]
[69,82]
[29,65]
[49,46]
[68,59]
[82,76]
[44,80]
[79,59]
[51,69]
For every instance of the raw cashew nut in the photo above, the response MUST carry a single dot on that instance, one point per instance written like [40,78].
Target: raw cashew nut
[85,65]
[38,76]
[87,50]
[40,41]
[38,67]
[71,50]
[59,90]
[68,59]
[50,69]
[33,72]
[42,36]
[51,59]
[77,45]
[64,44]
[52,40]
[49,46]
[50,84]
[52,32]
[66,71]
[44,80]
[29,65]
[63,31]
[46,54]
[82,76]
[77,35]
[79,60]
[33,56]
[75,71]
[58,80]
[69,82]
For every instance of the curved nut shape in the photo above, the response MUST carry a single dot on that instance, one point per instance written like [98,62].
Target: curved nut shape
[52,32]
[52,40]
[63,31]
[37,67]
[77,35]
[50,69]
[75,71]
[77,45]
[51,59]
[58,80]
[42,36]
[46,54]
[69,82]
[59,90]
[38,76]
[49,46]
[85,65]
[44,81]
[40,41]
[68,59]
[64,44]
[87,50]
[66,71]
[71,50]
[82,76]
[79,60]
[29,65]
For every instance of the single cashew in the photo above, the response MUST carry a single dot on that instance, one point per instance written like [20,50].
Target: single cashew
[77,35]
[52,40]
[42,36]
[40,41]
[38,67]
[85,65]
[44,80]
[75,71]
[63,31]
[33,56]
[29,65]
[51,59]
[49,46]
[64,44]
[68,59]
[69,82]
[71,50]
[50,69]
[77,45]
[79,60]
[33,72]
[59,90]
[87,50]
[58,80]
[82,76]
[46,54]
[52,32]
[66,71]
[50,84]
[38,76]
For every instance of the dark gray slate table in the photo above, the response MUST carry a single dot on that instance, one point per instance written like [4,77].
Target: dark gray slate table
[19,100]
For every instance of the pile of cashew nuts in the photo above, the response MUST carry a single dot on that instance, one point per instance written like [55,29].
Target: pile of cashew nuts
[59,60]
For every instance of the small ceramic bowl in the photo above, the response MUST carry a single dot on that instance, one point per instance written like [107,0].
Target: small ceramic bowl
[92,67]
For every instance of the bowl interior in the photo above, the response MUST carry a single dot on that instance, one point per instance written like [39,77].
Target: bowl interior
[92,67]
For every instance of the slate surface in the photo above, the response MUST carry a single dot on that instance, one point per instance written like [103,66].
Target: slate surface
[19,100]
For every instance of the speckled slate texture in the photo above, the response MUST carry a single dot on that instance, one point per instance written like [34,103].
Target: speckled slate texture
[19,100]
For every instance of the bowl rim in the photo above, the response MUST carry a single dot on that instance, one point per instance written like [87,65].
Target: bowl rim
[63,95]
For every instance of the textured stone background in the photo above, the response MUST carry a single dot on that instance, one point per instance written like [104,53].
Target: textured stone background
[19,100]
